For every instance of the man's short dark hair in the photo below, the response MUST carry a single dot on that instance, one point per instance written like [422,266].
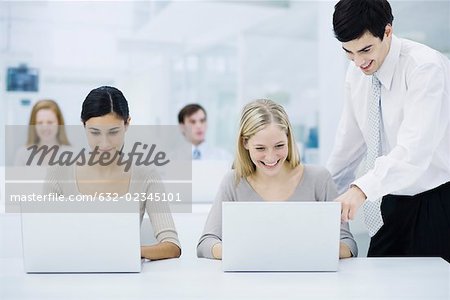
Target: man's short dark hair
[188,111]
[352,18]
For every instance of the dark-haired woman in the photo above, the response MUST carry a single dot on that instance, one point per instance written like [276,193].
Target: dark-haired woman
[105,117]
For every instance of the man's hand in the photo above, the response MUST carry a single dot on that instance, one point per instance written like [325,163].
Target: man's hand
[351,201]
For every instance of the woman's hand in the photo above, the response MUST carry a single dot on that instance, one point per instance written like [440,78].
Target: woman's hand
[344,251]
[160,251]
[217,251]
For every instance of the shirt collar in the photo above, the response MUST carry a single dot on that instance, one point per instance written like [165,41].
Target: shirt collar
[200,147]
[386,72]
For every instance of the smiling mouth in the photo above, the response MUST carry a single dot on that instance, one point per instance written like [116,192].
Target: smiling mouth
[271,165]
[367,66]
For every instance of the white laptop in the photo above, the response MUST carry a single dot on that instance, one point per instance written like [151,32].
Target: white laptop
[280,236]
[81,242]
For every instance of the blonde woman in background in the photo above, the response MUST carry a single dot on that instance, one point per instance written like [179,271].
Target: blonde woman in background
[267,167]
[46,128]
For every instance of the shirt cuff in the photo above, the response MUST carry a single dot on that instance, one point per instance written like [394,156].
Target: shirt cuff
[204,249]
[168,236]
[351,244]
[370,186]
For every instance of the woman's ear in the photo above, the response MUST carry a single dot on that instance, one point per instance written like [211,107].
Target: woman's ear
[245,143]
[127,122]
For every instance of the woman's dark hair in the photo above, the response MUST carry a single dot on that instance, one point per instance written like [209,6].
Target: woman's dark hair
[352,18]
[102,101]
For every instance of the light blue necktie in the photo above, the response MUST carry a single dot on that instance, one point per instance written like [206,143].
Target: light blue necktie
[372,209]
[196,154]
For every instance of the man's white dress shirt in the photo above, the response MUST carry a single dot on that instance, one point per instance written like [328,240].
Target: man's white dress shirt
[415,109]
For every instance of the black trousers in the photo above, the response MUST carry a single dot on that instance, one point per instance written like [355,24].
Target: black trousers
[416,225]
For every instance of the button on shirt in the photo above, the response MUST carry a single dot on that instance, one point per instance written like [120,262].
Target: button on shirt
[415,133]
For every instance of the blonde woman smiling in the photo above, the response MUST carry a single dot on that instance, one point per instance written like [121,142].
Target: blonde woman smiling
[267,167]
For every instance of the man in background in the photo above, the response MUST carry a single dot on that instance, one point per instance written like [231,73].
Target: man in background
[192,120]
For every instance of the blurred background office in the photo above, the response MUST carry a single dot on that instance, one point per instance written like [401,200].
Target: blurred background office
[165,54]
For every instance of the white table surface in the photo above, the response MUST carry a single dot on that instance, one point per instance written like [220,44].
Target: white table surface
[191,278]
[188,277]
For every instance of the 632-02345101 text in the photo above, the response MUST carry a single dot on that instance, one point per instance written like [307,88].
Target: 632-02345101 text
[101,197]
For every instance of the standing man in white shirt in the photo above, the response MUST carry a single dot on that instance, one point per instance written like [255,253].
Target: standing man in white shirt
[192,120]
[397,116]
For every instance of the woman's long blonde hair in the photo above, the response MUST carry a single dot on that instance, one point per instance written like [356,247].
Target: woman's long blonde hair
[33,138]
[256,116]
